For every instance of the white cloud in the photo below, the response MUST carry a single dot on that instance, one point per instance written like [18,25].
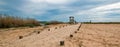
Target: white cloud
[38,7]
[58,1]
[97,13]
[52,1]
[108,7]
[35,7]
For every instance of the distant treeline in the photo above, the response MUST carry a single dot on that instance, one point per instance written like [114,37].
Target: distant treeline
[51,22]
[101,22]
[7,21]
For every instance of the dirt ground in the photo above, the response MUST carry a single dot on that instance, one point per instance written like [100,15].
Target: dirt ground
[89,35]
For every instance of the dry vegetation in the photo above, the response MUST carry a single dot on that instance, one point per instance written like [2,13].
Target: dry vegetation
[7,21]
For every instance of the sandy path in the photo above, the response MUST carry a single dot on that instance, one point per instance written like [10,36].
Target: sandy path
[45,38]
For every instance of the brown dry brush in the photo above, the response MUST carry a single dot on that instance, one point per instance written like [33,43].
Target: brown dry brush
[7,21]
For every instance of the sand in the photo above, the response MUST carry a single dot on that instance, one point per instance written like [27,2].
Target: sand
[96,35]
[89,35]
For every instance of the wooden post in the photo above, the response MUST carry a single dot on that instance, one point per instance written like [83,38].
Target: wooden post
[75,31]
[20,37]
[78,29]
[71,36]
[61,43]
[38,32]
[55,27]
[48,29]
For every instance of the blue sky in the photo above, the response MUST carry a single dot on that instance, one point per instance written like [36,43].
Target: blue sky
[60,10]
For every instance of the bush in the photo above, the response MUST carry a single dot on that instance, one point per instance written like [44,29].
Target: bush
[7,21]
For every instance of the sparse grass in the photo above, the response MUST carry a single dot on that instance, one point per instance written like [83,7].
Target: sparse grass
[7,21]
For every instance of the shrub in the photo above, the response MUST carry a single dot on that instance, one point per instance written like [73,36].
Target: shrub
[7,21]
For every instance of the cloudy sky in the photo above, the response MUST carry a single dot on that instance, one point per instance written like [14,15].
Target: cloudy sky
[47,10]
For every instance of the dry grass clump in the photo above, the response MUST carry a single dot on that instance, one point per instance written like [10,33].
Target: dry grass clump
[7,21]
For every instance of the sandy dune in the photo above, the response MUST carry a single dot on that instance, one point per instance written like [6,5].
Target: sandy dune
[89,35]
